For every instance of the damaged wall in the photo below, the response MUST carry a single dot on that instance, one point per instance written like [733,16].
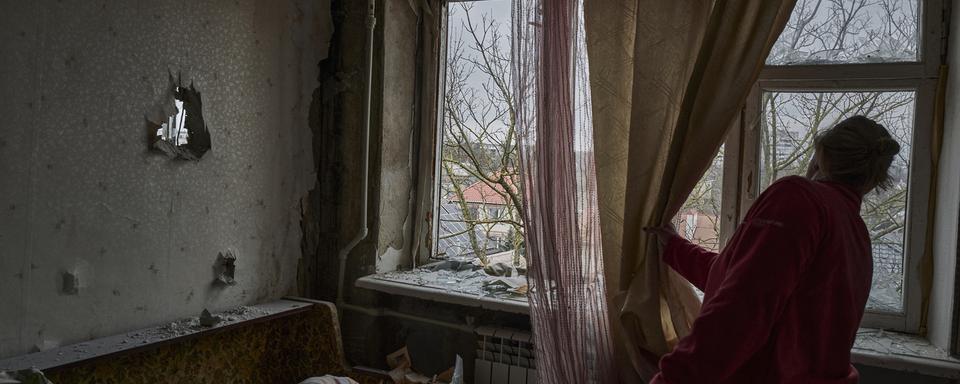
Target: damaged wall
[397,163]
[81,193]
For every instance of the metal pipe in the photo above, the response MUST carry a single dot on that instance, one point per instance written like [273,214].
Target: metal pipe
[341,276]
[341,303]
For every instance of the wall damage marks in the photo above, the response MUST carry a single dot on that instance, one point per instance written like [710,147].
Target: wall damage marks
[224,268]
[82,179]
[75,278]
[182,134]
[71,283]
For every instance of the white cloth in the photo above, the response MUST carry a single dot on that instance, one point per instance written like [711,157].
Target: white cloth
[327,379]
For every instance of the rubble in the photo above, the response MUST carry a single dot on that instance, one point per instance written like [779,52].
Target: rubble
[208,320]
[499,269]
[499,280]
[401,371]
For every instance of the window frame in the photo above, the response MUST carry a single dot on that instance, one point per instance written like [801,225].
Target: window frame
[443,55]
[438,139]
[742,159]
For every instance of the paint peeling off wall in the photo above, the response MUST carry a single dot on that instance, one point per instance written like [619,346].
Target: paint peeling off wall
[397,163]
[80,186]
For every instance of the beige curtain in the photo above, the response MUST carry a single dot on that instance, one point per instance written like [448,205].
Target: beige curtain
[667,80]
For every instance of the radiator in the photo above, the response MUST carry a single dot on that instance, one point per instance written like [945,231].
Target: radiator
[504,356]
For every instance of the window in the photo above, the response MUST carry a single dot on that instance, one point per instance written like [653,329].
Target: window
[479,203]
[849,31]
[699,219]
[835,59]
[476,229]
[791,121]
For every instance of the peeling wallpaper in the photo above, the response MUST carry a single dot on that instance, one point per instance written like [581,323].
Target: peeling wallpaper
[80,192]
[397,164]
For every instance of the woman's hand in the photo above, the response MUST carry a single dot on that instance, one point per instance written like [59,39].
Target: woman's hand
[664,233]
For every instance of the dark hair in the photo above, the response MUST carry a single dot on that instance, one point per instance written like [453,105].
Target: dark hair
[858,152]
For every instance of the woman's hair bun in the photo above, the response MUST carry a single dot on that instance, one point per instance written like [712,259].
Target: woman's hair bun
[857,151]
[887,147]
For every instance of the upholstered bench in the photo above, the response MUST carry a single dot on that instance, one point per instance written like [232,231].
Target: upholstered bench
[279,342]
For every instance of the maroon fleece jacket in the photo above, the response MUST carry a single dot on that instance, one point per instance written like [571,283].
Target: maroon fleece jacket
[783,300]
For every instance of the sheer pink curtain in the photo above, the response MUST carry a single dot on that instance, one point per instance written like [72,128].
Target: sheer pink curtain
[562,235]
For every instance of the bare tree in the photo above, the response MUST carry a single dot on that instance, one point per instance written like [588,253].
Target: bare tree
[480,149]
[791,123]
[834,32]
[704,203]
[845,31]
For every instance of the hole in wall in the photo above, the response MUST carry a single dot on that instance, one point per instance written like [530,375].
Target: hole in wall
[182,134]
[71,283]
[224,268]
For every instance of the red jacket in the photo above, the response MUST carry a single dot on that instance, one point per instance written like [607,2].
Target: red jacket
[783,300]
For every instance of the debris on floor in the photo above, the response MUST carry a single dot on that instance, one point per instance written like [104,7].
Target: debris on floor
[401,371]
[399,359]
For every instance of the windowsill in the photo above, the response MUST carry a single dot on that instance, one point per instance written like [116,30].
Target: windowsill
[902,352]
[468,293]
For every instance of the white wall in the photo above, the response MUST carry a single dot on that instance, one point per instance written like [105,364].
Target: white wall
[79,190]
[948,203]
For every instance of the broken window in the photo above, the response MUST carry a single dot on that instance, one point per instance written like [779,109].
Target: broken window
[836,59]
[183,134]
[479,200]
[793,119]
[478,256]
[699,218]
[849,31]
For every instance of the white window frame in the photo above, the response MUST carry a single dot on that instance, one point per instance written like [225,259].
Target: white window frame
[434,208]
[741,162]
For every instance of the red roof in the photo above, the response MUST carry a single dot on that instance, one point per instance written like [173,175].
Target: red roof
[482,193]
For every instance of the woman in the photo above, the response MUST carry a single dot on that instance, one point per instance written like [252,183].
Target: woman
[783,300]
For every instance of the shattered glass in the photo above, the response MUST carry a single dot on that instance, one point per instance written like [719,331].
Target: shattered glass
[463,277]
[849,32]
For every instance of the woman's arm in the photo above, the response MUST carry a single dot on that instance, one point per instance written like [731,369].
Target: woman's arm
[690,260]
